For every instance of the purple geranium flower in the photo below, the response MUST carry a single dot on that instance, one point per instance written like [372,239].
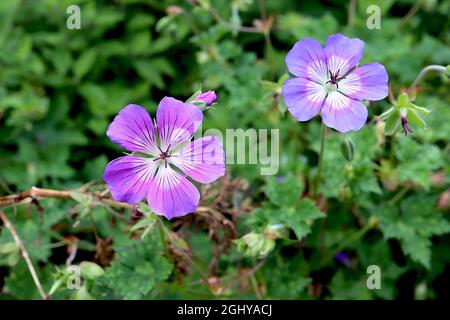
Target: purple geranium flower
[162,158]
[328,80]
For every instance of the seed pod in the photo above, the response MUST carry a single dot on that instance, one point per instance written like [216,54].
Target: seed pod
[347,148]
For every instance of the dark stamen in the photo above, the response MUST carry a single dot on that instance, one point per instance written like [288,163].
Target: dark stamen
[334,78]
[163,155]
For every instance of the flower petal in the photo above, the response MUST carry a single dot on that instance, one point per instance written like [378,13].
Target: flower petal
[303,97]
[133,130]
[343,113]
[202,159]
[369,81]
[343,53]
[172,195]
[176,121]
[128,178]
[307,60]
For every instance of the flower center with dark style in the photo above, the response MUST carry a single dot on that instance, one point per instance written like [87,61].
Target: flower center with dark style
[163,155]
[334,79]
[406,128]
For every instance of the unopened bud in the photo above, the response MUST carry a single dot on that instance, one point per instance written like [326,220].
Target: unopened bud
[207,97]
[174,10]
[347,148]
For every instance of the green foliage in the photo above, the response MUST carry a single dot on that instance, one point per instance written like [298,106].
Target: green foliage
[414,168]
[414,223]
[284,211]
[137,269]
[284,193]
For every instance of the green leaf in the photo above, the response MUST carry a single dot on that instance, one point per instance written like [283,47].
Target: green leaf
[91,270]
[34,239]
[346,287]
[137,268]
[84,63]
[20,284]
[417,168]
[299,218]
[414,227]
[81,198]
[284,193]
[299,26]
[148,223]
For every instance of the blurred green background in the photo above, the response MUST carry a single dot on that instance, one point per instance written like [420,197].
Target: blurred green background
[60,88]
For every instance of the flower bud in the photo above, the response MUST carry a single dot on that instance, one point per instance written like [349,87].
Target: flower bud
[91,270]
[207,97]
[444,200]
[345,193]
[347,148]
[174,10]
[344,259]
[255,244]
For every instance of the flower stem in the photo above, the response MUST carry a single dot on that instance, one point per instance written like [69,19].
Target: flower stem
[398,196]
[355,237]
[321,155]
[351,13]
[423,72]
[411,13]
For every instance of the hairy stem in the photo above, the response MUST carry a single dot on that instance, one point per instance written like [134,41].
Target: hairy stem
[351,12]
[411,13]
[321,155]
[423,72]
[349,241]
[398,196]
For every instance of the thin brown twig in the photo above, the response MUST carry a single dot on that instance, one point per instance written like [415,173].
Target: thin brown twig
[246,274]
[24,253]
[187,257]
[40,193]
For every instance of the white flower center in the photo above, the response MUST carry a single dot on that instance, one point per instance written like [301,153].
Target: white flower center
[330,87]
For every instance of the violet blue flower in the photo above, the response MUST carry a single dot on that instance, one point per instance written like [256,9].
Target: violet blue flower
[329,81]
[207,97]
[344,259]
[162,158]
